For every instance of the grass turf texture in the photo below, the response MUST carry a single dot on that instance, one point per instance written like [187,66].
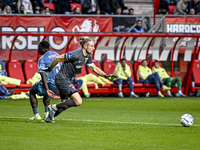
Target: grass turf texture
[103,123]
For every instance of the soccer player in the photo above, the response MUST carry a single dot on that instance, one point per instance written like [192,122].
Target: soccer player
[124,73]
[144,75]
[46,86]
[73,62]
[167,80]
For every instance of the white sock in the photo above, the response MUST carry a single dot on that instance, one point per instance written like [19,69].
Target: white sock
[179,91]
[158,92]
[54,107]
[163,86]
[168,92]
[132,93]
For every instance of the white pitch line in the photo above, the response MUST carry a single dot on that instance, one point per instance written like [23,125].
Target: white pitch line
[101,121]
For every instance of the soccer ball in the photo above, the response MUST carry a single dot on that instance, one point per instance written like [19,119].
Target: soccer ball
[187,120]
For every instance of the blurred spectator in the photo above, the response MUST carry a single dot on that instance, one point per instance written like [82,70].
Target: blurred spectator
[129,21]
[117,3]
[22,10]
[173,2]
[76,10]
[118,22]
[42,11]
[91,7]
[81,2]
[27,6]
[181,7]
[36,5]
[1,4]
[63,7]
[192,11]
[138,28]
[75,1]
[131,11]
[12,4]
[194,4]
[7,10]
[49,1]
[104,6]
[1,10]
[47,11]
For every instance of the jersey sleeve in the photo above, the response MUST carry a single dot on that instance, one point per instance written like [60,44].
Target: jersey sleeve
[69,57]
[41,65]
[89,62]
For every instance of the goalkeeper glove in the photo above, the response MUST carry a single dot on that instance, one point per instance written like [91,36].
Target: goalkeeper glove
[46,69]
[111,76]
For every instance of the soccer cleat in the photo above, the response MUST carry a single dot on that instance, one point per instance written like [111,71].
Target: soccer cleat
[133,95]
[46,114]
[165,88]
[160,95]
[147,94]
[48,120]
[180,95]
[87,96]
[35,117]
[120,95]
[10,93]
[51,112]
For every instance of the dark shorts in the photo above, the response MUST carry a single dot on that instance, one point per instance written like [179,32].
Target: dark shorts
[40,89]
[66,88]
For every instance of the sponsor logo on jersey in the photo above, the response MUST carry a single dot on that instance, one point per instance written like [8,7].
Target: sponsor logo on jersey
[69,56]
[72,86]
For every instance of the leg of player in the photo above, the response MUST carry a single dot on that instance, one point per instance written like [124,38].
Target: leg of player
[119,82]
[179,83]
[46,102]
[160,82]
[34,104]
[130,82]
[167,81]
[157,84]
[56,109]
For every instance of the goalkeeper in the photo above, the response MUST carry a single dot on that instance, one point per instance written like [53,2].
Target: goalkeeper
[73,62]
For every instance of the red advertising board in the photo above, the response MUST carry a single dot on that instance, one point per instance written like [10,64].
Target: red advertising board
[182,24]
[26,47]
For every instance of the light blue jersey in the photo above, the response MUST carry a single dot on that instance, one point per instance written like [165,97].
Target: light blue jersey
[45,62]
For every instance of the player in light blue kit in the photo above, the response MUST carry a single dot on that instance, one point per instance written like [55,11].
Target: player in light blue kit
[46,86]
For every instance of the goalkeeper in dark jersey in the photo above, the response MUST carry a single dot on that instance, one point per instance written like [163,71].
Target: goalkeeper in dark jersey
[73,62]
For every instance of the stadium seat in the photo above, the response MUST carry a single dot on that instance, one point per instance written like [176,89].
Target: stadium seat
[30,68]
[15,71]
[96,64]
[136,65]
[50,5]
[109,66]
[196,72]
[171,9]
[74,5]
[83,72]
[152,62]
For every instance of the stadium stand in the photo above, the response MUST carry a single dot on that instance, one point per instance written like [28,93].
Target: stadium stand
[195,75]
[50,5]
[74,5]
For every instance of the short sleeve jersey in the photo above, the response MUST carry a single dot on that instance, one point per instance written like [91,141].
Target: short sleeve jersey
[45,62]
[73,63]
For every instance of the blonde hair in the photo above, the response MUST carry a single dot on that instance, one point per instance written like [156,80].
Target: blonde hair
[84,41]
[4,10]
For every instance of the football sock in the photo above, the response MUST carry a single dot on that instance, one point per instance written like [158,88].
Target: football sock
[46,109]
[35,111]
[130,84]
[159,92]
[179,91]
[64,105]
[3,90]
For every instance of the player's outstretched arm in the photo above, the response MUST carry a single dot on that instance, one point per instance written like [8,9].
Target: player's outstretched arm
[54,63]
[44,81]
[100,72]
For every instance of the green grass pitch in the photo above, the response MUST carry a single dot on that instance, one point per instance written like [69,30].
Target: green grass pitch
[103,123]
